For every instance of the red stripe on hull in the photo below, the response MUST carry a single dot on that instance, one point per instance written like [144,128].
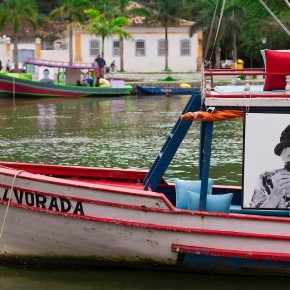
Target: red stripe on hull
[26,87]
[25,90]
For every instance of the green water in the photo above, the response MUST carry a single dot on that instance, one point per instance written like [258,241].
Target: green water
[125,132]
[104,279]
[114,132]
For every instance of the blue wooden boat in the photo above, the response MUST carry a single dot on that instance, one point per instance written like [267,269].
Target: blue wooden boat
[141,90]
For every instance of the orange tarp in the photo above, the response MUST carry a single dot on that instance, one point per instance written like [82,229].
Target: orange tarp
[212,117]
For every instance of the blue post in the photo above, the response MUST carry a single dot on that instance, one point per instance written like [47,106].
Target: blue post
[206,141]
[201,148]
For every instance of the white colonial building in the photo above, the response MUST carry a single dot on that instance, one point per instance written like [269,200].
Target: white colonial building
[144,52]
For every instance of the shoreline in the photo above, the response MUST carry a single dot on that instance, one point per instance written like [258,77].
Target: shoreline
[173,80]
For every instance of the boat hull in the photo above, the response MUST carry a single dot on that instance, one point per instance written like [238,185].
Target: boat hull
[18,87]
[164,91]
[90,216]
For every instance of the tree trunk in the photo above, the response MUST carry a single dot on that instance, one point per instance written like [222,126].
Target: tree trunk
[235,57]
[103,46]
[15,56]
[217,57]
[166,47]
[70,51]
[121,53]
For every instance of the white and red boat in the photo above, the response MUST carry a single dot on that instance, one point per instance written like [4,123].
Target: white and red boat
[52,214]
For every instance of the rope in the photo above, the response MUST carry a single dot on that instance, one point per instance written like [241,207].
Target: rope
[288,4]
[202,84]
[9,200]
[275,17]
[219,24]
[248,100]
[210,31]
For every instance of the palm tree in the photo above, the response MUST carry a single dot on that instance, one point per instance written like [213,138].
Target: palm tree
[205,14]
[207,18]
[16,14]
[124,8]
[73,11]
[98,24]
[166,12]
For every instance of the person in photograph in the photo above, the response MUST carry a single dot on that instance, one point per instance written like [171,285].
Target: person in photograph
[46,78]
[273,187]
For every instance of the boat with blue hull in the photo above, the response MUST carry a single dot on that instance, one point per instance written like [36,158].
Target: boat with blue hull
[141,90]
[55,214]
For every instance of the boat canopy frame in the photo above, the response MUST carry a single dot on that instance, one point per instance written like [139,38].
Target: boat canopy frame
[64,66]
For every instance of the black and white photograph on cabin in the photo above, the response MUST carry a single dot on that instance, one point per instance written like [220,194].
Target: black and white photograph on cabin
[46,74]
[266,183]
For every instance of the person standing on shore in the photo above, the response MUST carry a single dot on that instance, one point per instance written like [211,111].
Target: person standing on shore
[8,66]
[101,64]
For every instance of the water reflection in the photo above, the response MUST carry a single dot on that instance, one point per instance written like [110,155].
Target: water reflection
[46,117]
[112,132]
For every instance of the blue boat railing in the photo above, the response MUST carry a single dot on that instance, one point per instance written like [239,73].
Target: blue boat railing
[171,145]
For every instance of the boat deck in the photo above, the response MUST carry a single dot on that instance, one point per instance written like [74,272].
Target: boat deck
[247,95]
[236,96]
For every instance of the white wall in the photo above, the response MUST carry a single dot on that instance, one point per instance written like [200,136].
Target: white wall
[3,56]
[55,55]
[151,62]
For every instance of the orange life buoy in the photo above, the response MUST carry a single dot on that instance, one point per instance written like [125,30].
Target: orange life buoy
[95,73]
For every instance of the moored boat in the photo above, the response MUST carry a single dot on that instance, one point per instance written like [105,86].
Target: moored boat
[66,86]
[142,90]
[135,218]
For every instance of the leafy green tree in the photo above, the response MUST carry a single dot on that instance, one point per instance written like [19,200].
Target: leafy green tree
[247,20]
[105,7]
[73,12]
[218,36]
[98,24]
[15,14]
[205,14]
[260,24]
[45,6]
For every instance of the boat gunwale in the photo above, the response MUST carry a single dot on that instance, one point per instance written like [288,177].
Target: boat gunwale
[136,192]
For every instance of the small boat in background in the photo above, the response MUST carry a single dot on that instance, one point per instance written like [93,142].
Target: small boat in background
[140,90]
[68,83]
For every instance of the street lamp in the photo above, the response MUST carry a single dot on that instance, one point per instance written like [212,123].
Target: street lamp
[264,40]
